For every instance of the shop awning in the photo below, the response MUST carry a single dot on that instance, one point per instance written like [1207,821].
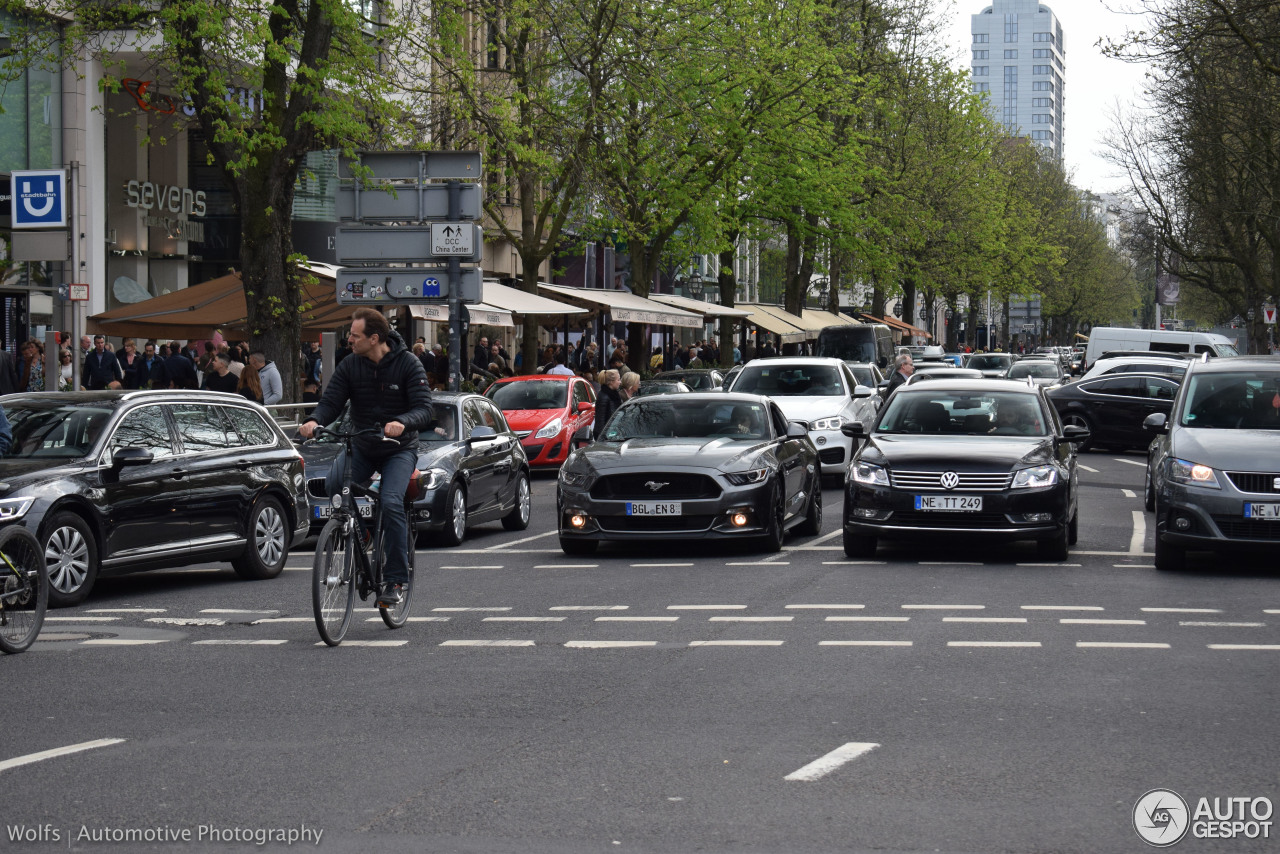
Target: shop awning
[764,316]
[481,313]
[517,301]
[625,307]
[827,318]
[897,325]
[709,309]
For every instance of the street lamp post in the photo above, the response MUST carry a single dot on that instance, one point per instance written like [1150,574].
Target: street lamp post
[693,285]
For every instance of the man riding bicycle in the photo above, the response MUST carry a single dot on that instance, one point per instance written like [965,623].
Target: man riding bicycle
[386,385]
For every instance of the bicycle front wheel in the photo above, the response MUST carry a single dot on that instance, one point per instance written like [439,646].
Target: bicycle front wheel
[24,590]
[333,589]
[399,615]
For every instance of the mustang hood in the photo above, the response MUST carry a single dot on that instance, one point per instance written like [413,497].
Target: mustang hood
[960,453]
[722,453]
[1227,450]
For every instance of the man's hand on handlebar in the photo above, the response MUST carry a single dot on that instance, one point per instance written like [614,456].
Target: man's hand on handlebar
[393,428]
[307,429]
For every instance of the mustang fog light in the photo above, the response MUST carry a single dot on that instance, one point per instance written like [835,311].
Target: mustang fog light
[578,520]
[738,519]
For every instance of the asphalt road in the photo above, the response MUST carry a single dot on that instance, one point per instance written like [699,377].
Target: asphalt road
[657,699]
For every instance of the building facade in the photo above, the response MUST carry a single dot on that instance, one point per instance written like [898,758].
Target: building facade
[1018,64]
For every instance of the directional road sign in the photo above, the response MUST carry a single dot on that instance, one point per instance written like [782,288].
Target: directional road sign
[454,238]
[406,244]
[405,285]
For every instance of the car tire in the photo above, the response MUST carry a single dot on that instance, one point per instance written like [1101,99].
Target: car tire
[1057,547]
[812,524]
[71,554]
[856,545]
[518,518]
[268,538]
[1169,558]
[455,520]
[578,547]
[1149,493]
[775,532]
[1078,419]
[1073,529]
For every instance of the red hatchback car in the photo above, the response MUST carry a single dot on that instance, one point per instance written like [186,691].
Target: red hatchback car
[547,412]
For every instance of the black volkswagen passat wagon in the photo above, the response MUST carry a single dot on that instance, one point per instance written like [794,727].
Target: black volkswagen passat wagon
[115,482]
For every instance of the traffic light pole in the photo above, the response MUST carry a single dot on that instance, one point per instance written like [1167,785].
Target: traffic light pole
[457,358]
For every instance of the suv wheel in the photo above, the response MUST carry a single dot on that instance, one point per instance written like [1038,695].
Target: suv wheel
[268,545]
[71,554]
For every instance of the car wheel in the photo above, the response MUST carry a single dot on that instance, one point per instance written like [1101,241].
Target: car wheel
[1057,547]
[812,524]
[71,554]
[1077,419]
[518,518]
[856,545]
[455,524]
[775,532]
[1149,493]
[1169,558]
[578,547]
[1073,529]
[268,545]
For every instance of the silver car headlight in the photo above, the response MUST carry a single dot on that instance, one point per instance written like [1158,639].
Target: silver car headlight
[1035,478]
[14,508]
[1195,474]
[869,474]
[552,428]
[745,478]
[832,423]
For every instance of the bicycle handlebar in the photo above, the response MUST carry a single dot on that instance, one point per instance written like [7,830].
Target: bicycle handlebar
[337,434]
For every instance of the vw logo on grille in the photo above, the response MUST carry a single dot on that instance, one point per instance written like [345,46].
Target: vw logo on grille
[655,485]
[949,480]
[1275,484]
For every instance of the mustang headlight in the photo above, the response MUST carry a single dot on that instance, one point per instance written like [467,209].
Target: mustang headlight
[832,423]
[867,473]
[434,478]
[744,478]
[1185,471]
[572,478]
[14,508]
[550,429]
[1035,478]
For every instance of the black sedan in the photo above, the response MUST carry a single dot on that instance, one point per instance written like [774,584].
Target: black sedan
[691,466]
[115,482]
[1113,407]
[472,470]
[956,457]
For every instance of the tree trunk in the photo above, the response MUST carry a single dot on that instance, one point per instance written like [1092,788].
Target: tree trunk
[728,298]
[271,283]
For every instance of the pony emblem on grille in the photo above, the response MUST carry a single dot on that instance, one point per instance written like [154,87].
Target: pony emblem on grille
[655,485]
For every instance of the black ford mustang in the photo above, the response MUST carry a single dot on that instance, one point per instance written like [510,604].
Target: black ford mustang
[967,456]
[691,466]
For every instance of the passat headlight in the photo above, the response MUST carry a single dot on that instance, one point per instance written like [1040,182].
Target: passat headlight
[14,508]
[867,473]
[832,423]
[434,478]
[550,429]
[1035,478]
[744,478]
[1185,471]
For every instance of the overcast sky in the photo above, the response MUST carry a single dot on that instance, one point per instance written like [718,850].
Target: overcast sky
[1093,82]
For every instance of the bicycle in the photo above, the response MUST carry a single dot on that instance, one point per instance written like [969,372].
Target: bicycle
[24,588]
[343,565]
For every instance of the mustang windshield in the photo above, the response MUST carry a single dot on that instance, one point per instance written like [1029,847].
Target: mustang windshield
[964,413]
[529,394]
[664,418]
[43,431]
[1236,401]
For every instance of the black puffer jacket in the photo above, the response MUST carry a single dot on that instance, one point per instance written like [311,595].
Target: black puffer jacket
[606,404]
[394,389]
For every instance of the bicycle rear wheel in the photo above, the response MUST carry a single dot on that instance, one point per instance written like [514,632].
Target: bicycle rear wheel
[333,589]
[399,615]
[24,588]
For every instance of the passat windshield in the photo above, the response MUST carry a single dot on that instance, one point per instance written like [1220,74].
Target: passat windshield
[1232,401]
[963,413]
[62,430]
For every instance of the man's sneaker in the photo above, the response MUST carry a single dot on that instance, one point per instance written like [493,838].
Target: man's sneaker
[392,595]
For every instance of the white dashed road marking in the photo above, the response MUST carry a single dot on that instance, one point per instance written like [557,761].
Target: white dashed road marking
[854,563]
[827,607]
[864,643]
[464,610]
[657,565]
[487,566]
[609,644]
[524,619]
[736,643]
[518,542]
[239,642]
[825,765]
[1099,622]
[1063,608]
[589,608]
[566,566]
[944,607]
[998,644]
[80,619]
[58,751]
[750,619]
[121,642]
[125,611]
[1048,564]
[1139,532]
[1104,645]
[187,621]
[487,643]
[1129,493]
[1130,462]
[706,607]
[840,619]
[1245,646]
[1226,625]
[367,643]
[1181,610]
[636,619]
[1089,469]
[984,619]
[758,563]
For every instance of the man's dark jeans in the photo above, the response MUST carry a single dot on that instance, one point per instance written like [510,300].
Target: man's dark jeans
[396,471]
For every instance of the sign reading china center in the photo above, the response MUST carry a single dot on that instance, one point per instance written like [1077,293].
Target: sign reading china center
[39,198]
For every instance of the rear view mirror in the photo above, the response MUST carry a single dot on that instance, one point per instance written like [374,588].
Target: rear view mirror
[797,430]
[481,432]
[586,406]
[862,391]
[131,457]
[1156,422]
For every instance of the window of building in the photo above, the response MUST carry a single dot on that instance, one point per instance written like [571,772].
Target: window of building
[1042,37]
[1041,119]
[981,38]
[1010,28]
[1042,86]
[1042,135]
[981,70]
[1042,102]
[1010,54]
[1041,69]
[982,54]
[982,87]
[1042,53]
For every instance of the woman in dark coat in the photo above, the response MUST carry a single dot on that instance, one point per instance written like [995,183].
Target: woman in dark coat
[608,401]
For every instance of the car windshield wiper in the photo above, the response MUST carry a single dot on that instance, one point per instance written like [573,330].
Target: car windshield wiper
[892,432]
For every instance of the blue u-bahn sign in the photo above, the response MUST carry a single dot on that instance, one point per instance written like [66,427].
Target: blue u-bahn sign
[39,198]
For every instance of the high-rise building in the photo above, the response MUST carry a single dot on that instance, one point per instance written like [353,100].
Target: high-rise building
[1018,64]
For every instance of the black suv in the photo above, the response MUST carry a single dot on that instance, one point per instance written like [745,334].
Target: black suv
[116,482]
[1213,470]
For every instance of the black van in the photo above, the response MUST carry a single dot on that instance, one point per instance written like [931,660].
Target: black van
[866,342]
